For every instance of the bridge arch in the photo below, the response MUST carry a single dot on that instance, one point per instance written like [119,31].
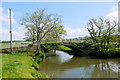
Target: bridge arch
[74,51]
[78,48]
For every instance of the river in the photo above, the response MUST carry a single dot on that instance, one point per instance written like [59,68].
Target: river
[64,65]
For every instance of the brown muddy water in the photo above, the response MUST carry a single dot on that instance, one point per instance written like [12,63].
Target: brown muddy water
[64,65]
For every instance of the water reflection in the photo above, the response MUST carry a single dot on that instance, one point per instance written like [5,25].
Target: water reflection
[106,69]
[63,57]
[66,66]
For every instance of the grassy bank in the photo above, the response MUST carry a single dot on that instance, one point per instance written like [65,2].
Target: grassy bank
[0,66]
[64,48]
[19,66]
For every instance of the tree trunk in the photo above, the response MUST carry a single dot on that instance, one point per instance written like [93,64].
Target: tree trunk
[38,45]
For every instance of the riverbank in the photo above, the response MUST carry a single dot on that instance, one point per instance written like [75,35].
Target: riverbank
[19,66]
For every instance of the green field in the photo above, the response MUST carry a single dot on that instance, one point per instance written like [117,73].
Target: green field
[7,45]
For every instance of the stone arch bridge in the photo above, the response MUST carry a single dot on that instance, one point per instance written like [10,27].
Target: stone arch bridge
[79,48]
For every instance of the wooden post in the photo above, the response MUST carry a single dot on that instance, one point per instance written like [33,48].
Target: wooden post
[10,32]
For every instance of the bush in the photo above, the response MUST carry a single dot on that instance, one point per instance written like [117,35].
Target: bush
[39,75]
[35,65]
[4,51]
[93,52]
[34,74]
[32,55]
[82,45]
[117,45]
[30,45]
[48,46]
[21,51]
[45,49]
[40,57]
[112,52]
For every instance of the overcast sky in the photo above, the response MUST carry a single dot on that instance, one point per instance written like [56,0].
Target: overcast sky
[75,15]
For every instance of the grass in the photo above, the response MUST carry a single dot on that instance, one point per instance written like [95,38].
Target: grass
[64,48]
[0,67]
[18,66]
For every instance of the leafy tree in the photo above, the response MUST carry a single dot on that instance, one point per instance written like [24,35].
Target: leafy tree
[31,36]
[55,34]
[40,24]
[100,31]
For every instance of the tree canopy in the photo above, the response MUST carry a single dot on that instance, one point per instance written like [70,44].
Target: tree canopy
[39,24]
[101,31]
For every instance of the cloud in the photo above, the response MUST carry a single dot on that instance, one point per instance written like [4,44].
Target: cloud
[81,32]
[17,34]
[5,17]
[76,32]
[113,14]
[4,33]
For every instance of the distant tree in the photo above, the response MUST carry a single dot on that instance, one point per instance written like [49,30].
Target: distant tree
[87,38]
[100,31]
[42,22]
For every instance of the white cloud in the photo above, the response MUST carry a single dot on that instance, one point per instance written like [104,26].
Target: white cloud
[76,32]
[4,33]
[18,34]
[113,15]
[81,32]
[5,18]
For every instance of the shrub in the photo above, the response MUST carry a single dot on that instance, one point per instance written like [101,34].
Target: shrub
[35,65]
[30,45]
[82,45]
[32,55]
[4,51]
[40,57]
[39,75]
[48,46]
[93,52]
[117,45]
[112,52]
[45,49]
[34,74]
